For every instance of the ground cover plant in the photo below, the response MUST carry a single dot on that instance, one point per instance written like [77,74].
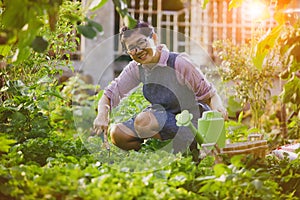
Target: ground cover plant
[46,151]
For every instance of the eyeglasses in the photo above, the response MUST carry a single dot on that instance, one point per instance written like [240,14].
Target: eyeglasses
[141,45]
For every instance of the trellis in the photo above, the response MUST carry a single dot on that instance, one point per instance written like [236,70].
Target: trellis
[217,22]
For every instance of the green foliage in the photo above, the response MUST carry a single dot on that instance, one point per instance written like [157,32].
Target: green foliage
[286,173]
[294,127]
[22,21]
[83,177]
[289,45]
[291,91]
[30,92]
[277,49]
[233,107]
[265,45]
[235,4]
[154,144]
[129,106]
[39,151]
[62,42]
[21,114]
[97,4]
[5,143]
[232,181]
[204,4]
[122,9]
[251,85]
[39,44]
[47,121]
[89,30]
[237,131]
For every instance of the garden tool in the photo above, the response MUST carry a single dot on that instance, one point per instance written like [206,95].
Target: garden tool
[103,136]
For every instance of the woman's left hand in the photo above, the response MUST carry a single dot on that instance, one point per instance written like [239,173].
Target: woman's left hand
[217,105]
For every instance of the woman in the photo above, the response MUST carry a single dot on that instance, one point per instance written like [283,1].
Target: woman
[171,83]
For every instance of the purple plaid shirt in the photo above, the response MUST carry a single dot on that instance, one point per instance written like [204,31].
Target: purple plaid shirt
[186,72]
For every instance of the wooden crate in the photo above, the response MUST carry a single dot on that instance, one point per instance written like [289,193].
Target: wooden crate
[255,145]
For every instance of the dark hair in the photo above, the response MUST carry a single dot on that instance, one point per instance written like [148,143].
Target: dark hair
[141,27]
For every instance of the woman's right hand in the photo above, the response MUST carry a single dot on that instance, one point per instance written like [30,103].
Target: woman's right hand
[101,122]
[101,125]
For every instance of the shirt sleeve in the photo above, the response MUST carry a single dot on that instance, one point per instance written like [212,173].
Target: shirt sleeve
[189,74]
[123,84]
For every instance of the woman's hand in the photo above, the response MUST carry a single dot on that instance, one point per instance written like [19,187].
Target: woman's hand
[102,120]
[217,105]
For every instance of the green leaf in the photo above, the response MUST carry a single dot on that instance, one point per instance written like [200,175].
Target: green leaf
[39,44]
[23,54]
[18,118]
[121,7]
[233,106]
[265,45]
[5,144]
[54,93]
[178,179]
[95,25]
[220,169]
[237,160]
[129,21]
[5,50]
[26,38]
[204,3]
[291,91]
[240,118]
[96,4]
[87,31]
[235,4]
[15,14]
[44,79]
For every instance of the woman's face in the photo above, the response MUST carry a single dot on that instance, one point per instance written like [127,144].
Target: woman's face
[141,48]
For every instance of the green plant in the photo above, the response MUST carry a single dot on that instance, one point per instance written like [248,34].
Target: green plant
[250,85]
[49,160]
[5,143]
[130,106]
[286,173]
[236,181]
[30,91]
[21,22]
[237,131]
[289,46]
[39,151]
[21,113]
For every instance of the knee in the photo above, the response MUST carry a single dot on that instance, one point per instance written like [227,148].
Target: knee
[146,124]
[115,133]
[124,138]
